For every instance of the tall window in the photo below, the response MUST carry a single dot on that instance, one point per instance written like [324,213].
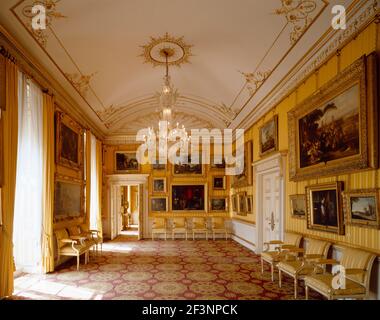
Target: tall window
[28,201]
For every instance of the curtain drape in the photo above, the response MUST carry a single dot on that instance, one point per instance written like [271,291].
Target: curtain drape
[27,229]
[48,184]
[96,184]
[88,176]
[10,131]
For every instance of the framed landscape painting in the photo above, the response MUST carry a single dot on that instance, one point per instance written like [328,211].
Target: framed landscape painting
[324,207]
[249,204]
[218,204]
[246,177]
[242,205]
[68,200]
[126,162]
[158,204]
[269,137]
[69,144]
[219,182]
[335,131]
[362,208]
[298,206]
[187,168]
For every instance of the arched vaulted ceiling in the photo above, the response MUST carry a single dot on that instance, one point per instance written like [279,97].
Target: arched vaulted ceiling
[238,52]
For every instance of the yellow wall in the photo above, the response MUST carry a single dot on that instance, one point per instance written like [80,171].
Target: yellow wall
[206,178]
[365,43]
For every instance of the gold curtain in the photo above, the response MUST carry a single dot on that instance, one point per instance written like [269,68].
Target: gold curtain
[10,131]
[48,183]
[88,176]
[99,174]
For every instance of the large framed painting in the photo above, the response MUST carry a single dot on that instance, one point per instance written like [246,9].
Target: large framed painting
[68,200]
[245,178]
[186,168]
[362,208]
[234,203]
[298,206]
[218,204]
[335,131]
[158,204]
[324,207]
[268,137]
[69,142]
[126,162]
[159,185]
[188,197]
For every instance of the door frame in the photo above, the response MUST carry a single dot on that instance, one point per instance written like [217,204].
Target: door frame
[113,183]
[272,164]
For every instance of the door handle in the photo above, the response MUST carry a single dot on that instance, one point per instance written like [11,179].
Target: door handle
[272,222]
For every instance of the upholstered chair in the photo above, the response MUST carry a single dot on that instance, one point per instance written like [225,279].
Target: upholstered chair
[276,251]
[357,273]
[92,235]
[159,226]
[303,266]
[199,226]
[70,247]
[179,227]
[218,225]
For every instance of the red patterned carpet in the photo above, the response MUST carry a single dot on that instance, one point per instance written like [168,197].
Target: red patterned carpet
[160,270]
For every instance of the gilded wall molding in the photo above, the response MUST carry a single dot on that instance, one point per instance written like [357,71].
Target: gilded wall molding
[364,14]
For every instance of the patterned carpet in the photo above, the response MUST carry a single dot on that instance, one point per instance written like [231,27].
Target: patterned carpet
[160,270]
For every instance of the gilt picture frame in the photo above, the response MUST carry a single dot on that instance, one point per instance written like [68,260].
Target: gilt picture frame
[68,199]
[126,162]
[219,182]
[268,137]
[246,177]
[188,197]
[324,207]
[335,130]
[242,204]
[234,203]
[361,208]
[249,204]
[298,206]
[218,204]
[69,142]
[158,204]
[159,185]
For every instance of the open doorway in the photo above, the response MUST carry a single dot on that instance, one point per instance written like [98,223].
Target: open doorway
[130,211]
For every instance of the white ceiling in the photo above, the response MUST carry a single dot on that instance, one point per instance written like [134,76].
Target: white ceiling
[102,39]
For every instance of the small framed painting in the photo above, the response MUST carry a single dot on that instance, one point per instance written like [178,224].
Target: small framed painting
[298,206]
[159,185]
[126,162]
[242,205]
[269,136]
[234,201]
[362,208]
[219,182]
[158,167]
[324,207]
[249,207]
[218,204]
[158,204]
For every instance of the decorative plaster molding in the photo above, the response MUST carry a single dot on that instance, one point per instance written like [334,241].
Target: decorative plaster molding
[333,42]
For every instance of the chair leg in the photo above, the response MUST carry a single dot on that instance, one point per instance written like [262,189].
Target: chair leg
[279,278]
[152,236]
[186,235]
[262,266]
[78,262]
[173,235]
[213,236]
[206,236]
[193,236]
[272,271]
[306,293]
[295,288]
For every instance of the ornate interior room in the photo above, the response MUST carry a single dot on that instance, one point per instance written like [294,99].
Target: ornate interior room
[89,90]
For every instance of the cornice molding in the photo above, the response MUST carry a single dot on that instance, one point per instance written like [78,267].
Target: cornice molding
[35,70]
[362,15]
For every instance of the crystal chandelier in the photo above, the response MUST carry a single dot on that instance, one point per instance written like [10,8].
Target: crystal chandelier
[167,99]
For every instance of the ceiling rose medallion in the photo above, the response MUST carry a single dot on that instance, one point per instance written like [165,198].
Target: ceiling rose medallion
[167,47]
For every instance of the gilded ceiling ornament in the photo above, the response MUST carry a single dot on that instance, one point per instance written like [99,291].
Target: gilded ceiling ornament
[51,14]
[255,80]
[297,13]
[153,52]
[80,82]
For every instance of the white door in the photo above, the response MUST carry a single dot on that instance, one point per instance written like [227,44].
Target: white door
[271,207]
